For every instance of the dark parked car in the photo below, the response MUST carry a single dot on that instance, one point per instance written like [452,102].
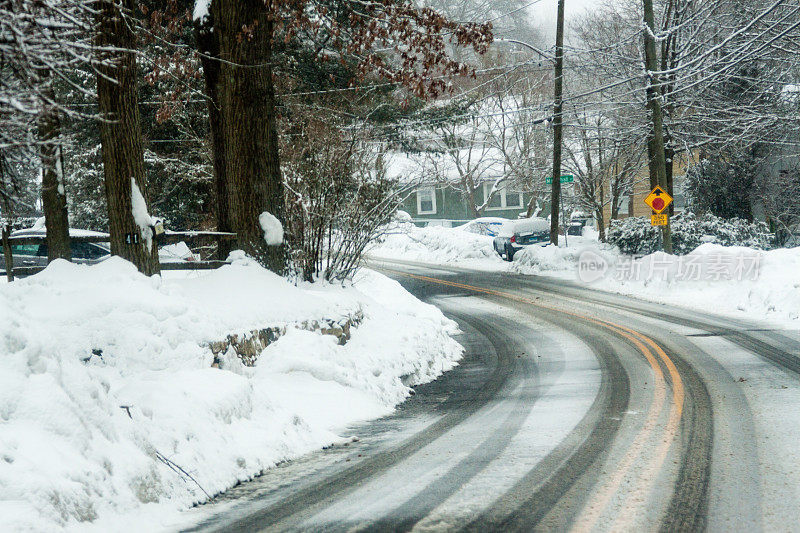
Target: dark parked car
[87,253]
[516,234]
[26,255]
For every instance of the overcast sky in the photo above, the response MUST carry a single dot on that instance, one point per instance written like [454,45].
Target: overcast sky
[544,12]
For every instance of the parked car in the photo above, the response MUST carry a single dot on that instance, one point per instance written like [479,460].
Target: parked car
[26,255]
[87,253]
[578,222]
[575,228]
[514,235]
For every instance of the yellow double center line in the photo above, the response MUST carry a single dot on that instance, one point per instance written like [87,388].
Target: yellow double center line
[646,346]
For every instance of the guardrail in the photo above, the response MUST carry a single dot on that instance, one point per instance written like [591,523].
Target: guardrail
[197,238]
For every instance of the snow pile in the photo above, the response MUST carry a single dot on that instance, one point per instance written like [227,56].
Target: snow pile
[436,244]
[273,230]
[175,253]
[110,411]
[556,260]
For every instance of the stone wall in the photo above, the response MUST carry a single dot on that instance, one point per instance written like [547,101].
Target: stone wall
[249,346]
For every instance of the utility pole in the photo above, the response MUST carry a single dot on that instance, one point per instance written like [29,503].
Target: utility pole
[657,162]
[558,106]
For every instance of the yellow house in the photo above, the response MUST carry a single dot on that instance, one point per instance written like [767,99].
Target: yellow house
[634,206]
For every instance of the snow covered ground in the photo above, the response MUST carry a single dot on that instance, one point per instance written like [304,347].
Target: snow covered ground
[111,412]
[737,281]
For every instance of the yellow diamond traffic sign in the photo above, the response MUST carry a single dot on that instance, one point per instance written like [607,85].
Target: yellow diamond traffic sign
[659,220]
[658,199]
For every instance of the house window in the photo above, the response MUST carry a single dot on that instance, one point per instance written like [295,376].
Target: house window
[625,205]
[503,198]
[678,184]
[426,202]
[513,199]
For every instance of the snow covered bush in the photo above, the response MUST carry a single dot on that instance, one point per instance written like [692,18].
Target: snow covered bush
[636,236]
[633,235]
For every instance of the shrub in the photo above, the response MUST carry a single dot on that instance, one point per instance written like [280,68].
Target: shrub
[635,236]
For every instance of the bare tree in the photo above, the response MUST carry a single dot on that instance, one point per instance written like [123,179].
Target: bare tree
[41,43]
[604,163]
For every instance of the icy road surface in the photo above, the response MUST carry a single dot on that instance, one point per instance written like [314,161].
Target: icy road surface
[572,410]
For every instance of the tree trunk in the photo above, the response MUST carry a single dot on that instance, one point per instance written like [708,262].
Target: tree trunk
[9,259]
[631,202]
[657,163]
[601,226]
[247,106]
[121,137]
[469,190]
[615,191]
[208,45]
[555,191]
[651,155]
[54,198]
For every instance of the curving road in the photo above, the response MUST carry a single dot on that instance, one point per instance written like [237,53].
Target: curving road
[572,410]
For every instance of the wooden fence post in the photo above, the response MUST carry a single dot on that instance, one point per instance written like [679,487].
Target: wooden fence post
[7,252]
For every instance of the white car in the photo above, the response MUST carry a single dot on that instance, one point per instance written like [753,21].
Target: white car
[484,225]
[27,255]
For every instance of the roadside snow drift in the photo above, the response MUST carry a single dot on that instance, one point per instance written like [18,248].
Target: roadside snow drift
[109,406]
[770,291]
[766,286]
[436,245]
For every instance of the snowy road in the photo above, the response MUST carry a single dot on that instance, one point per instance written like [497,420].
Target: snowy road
[572,410]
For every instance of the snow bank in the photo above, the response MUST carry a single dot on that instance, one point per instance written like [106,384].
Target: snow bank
[110,412]
[560,261]
[773,294]
[732,280]
[436,245]
[768,286]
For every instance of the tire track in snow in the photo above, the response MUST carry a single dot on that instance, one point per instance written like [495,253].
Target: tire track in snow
[305,501]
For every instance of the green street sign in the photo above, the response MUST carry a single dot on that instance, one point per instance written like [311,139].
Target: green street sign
[567,178]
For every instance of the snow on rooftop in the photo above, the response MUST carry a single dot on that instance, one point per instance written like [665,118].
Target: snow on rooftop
[428,167]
